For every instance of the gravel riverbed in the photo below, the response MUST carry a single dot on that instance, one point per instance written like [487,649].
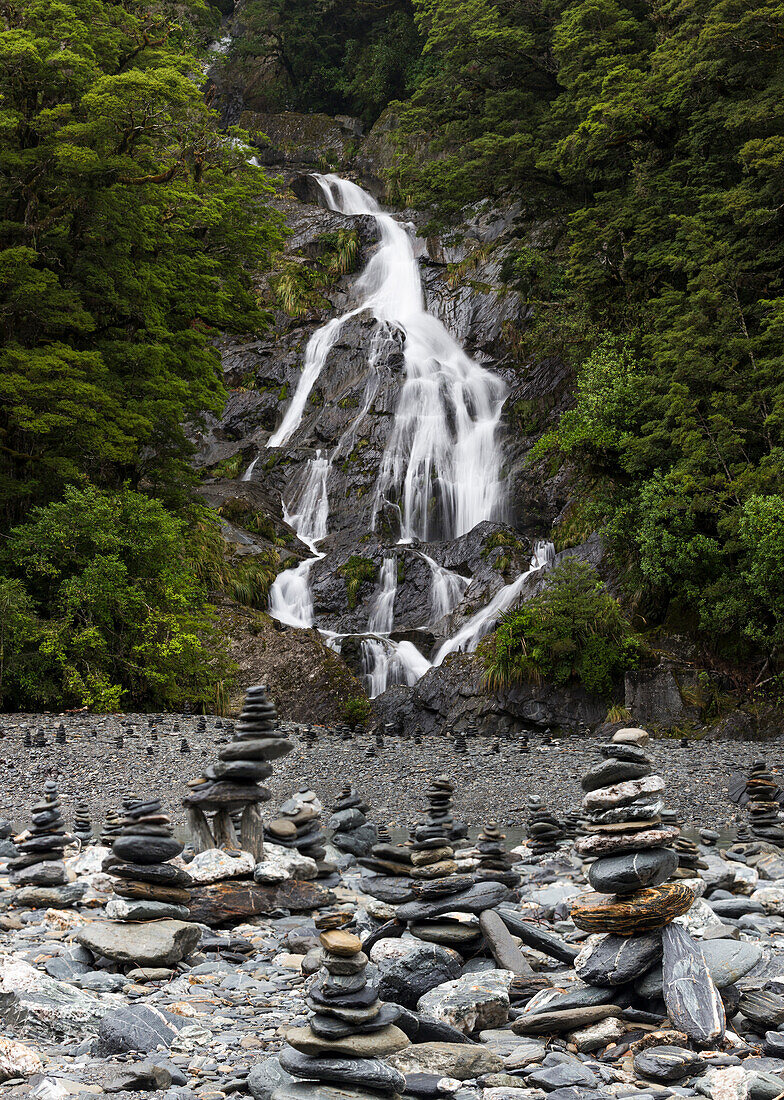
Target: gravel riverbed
[489,785]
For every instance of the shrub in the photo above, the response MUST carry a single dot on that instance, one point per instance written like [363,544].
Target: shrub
[356,571]
[121,615]
[357,711]
[573,630]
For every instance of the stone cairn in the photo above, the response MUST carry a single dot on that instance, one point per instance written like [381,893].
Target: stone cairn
[349,1030]
[232,785]
[146,886]
[762,806]
[437,886]
[297,824]
[111,828]
[352,833]
[495,863]
[83,829]
[544,828]
[634,903]
[41,854]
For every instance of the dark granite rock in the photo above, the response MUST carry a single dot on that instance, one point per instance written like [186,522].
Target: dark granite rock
[405,980]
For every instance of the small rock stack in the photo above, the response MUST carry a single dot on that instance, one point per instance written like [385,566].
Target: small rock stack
[111,828]
[298,825]
[146,886]
[763,806]
[232,784]
[352,833]
[495,863]
[83,829]
[349,1031]
[446,904]
[544,828]
[635,904]
[41,860]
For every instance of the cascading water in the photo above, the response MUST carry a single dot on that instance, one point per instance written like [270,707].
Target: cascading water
[290,600]
[441,465]
[469,636]
[249,472]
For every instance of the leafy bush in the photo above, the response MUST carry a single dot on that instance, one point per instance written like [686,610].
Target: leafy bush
[122,617]
[357,571]
[357,711]
[573,630]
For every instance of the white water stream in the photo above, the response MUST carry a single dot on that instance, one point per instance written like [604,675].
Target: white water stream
[441,465]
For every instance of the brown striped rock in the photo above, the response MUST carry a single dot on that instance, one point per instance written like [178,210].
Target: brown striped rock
[602,844]
[632,913]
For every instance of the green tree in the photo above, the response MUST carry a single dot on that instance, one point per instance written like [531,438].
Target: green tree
[130,227]
[574,630]
[122,617]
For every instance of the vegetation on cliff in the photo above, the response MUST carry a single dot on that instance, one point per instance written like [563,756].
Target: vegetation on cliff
[573,631]
[650,136]
[129,230]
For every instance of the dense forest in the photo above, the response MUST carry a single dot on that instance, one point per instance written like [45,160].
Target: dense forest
[646,139]
[129,229]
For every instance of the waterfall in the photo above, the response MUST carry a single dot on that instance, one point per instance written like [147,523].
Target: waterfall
[249,472]
[290,599]
[447,589]
[441,467]
[468,638]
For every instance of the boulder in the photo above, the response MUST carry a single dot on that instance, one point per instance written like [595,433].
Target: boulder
[137,1028]
[17,1060]
[462,1062]
[230,902]
[161,943]
[214,864]
[34,1005]
[409,968]
[470,1003]
[280,864]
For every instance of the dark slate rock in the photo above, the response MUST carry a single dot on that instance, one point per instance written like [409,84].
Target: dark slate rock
[135,848]
[693,1001]
[668,1063]
[774,1043]
[405,980]
[267,1076]
[393,890]
[371,1073]
[136,1027]
[485,895]
[616,960]
[609,772]
[563,1075]
[764,1086]
[625,873]
[538,938]
[762,1007]
[436,1031]
[734,907]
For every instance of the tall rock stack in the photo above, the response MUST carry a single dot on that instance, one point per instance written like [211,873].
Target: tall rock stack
[762,805]
[446,904]
[349,1031]
[111,828]
[352,833]
[232,784]
[146,886]
[634,903]
[40,861]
